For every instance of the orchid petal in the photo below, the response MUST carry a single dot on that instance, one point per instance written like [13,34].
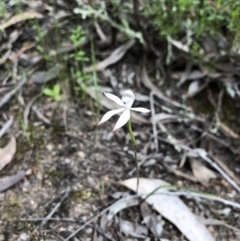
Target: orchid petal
[114,98]
[140,109]
[123,119]
[109,114]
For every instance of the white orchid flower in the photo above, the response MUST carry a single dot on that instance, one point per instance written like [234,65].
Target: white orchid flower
[126,104]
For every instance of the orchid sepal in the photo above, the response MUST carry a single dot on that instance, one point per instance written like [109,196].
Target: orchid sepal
[141,109]
[123,119]
[114,98]
[109,114]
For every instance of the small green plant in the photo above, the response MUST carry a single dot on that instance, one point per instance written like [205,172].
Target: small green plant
[26,133]
[40,40]
[77,37]
[193,19]
[81,78]
[80,56]
[3,12]
[100,12]
[53,93]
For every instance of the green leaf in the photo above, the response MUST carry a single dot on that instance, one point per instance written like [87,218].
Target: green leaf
[48,92]
[56,89]
[57,98]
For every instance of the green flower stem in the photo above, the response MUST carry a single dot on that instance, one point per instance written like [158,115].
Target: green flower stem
[135,150]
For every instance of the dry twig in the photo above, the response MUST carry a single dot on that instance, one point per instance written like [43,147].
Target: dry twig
[6,126]
[46,219]
[9,95]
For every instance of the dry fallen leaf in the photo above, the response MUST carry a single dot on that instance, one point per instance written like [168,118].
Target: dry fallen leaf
[170,207]
[19,18]
[42,77]
[163,116]
[103,226]
[148,83]
[199,152]
[225,167]
[179,45]
[132,229]
[152,221]
[187,75]
[8,182]
[227,131]
[114,57]
[23,49]
[7,153]
[125,202]
[211,221]
[201,172]
[193,87]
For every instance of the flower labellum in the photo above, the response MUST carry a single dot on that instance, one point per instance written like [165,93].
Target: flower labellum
[126,103]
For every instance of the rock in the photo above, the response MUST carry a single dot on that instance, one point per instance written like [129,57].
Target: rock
[24,237]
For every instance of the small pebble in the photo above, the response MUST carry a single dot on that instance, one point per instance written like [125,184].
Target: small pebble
[225,211]
[50,147]
[167,159]
[28,172]
[48,114]
[67,160]
[81,154]
[179,183]
[89,231]
[39,176]
[225,183]
[211,229]
[150,162]
[2,196]
[125,148]
[24,237]
[232,194]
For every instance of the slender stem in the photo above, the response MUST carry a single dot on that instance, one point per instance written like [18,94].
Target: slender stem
[135,150]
